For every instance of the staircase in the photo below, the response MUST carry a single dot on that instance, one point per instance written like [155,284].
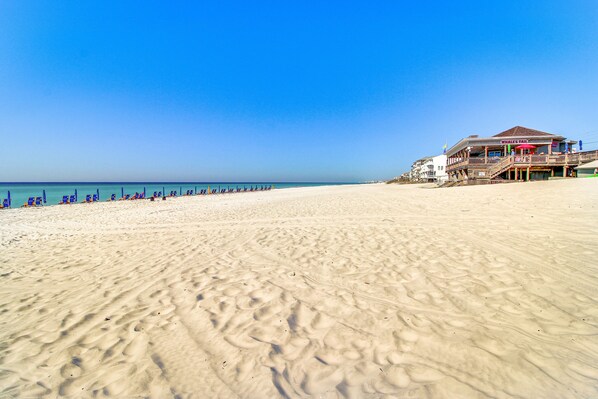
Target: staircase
[500,167]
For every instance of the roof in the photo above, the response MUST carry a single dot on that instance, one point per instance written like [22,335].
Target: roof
[589,165]
[535,137]
[519,131]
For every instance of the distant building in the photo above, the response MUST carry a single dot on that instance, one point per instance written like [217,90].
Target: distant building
[439,162]
[429,169]
[519,153]
[587,169]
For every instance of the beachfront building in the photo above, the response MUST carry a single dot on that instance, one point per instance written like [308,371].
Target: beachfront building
[429,169]
[439,165]
[519,153]
[587,169]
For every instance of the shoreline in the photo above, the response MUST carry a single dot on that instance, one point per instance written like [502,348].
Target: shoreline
[177,196]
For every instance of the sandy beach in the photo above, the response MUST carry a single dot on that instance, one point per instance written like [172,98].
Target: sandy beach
[373,291]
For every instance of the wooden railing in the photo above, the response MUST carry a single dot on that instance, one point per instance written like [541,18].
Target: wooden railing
[496,169]
[497,165]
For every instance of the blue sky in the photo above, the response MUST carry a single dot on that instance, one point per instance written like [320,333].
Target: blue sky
[283,91]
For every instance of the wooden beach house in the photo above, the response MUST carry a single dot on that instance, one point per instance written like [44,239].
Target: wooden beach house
[519,153]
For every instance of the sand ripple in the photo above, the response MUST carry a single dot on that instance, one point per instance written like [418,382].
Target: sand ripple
[357,292]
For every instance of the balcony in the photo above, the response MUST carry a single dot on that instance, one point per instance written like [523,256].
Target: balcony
[526,160]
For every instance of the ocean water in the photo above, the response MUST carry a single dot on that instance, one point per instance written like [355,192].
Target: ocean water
[20,192]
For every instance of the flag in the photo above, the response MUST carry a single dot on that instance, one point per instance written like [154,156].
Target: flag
[444,148]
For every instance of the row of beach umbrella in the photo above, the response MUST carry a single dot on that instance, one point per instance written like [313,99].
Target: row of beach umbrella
[34,201]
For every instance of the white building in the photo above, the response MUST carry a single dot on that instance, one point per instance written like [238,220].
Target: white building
[439,162]
[429,169]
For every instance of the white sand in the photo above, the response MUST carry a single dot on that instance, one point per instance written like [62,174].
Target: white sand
[356,291]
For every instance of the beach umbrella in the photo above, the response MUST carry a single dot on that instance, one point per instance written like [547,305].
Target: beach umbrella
[580,145]
[76,196]
[122,192]
[98,193]
[566,147]
[9,201]
[163,192]
[143,192]
[181,190]
[525,147]
[44,195]
[195,190]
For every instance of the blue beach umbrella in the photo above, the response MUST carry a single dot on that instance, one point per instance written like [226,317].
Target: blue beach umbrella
[76,196]
[122,192]
[98,193]
[44,195]
[143,192]
[180,190]
[195,190]
[580,145]
[163,191]
[9,200]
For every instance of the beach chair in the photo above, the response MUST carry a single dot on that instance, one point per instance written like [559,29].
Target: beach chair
[87,198]
[72,199]
[65,200]
[38,201]
[30,202]
[5,203]
[95,198]
[159,193]
[113,197]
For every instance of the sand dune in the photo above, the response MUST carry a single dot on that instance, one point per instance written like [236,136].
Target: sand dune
[349,291]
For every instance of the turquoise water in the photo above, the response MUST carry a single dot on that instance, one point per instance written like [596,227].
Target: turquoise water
[20,192]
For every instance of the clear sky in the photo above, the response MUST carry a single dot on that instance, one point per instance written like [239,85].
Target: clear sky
[281,90]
